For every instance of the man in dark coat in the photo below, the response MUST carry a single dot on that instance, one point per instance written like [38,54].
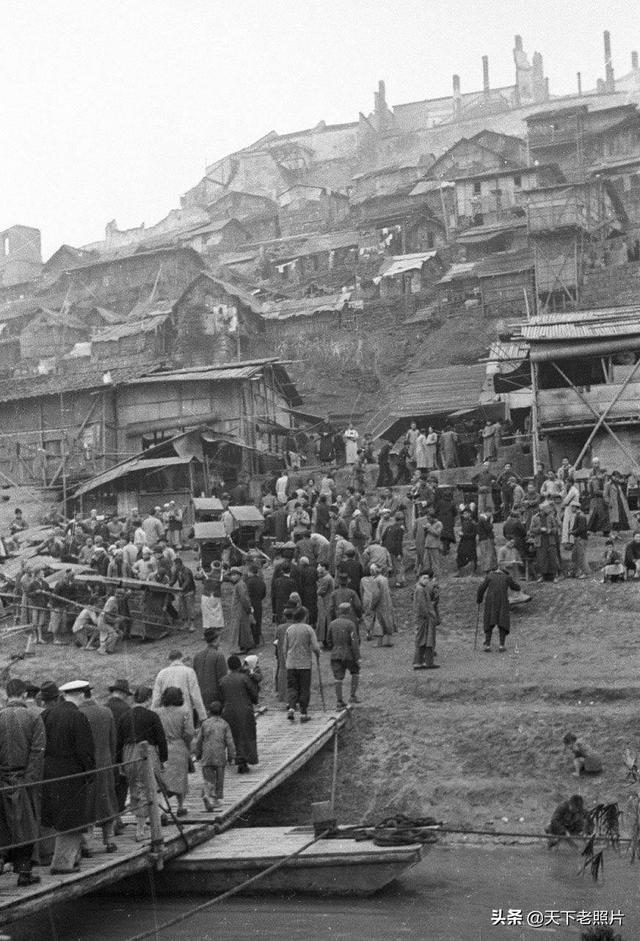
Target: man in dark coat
[308,588]
[282,585]
[105,803]
[21,762]
[119,702]
[239,695]
[342,641]
[343,594]
[210,666]
[353,567]
[496,605]
[257,591]
[70,750]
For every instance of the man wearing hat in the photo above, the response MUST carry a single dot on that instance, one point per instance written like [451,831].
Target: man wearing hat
[184,677]
[426,620]
[210,666]
[342,641]
[21,760]
[119,702]
[70,750]
[345,595]
[392,540]
[241,614]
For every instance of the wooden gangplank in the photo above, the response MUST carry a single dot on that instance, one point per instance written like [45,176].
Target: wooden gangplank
[283,748]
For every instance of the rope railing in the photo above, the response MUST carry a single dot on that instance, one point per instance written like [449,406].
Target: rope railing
[67,777]
[86,826]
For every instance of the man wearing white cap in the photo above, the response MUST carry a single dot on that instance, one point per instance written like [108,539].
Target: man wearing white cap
[70,750]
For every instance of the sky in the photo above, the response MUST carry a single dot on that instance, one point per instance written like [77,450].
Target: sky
[111,109]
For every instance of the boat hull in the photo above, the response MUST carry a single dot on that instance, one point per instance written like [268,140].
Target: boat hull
[338,867]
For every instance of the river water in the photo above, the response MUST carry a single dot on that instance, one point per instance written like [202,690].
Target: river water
[449,896]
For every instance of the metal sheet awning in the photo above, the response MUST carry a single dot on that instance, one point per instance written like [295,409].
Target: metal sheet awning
[134,466]
[402,264]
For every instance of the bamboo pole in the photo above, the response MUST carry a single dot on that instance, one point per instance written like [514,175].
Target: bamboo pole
[157,840]
[602,416]
[334,775]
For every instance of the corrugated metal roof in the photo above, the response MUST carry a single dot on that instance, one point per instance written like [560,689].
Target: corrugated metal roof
[434,392]
[507,356]
[399,264]
[304,306]
[136,465]
[583,325]
[440,390]
[492,266]
[483,233]
[212,374]
[26,387]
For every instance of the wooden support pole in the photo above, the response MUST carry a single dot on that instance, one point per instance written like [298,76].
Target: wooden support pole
[334,774]
[157,840]
[602,416]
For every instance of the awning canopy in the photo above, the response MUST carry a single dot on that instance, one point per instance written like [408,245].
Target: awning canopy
[544,352]
[135,466]
[213,531]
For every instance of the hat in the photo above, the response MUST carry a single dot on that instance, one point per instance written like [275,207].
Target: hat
[75,686]
[344,606]
[251,661]
[234,570]
[386,511]
[121,686]
[303,560]
[211,633]
[49,692]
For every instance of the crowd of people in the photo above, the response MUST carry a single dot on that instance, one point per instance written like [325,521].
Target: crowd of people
[335,557]
[69,763]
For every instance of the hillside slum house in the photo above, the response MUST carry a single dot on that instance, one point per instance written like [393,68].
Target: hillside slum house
[580,370]
[81,425]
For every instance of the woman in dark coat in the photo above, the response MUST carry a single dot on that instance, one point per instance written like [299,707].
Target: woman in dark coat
[496,605]
[239,694]
[467,553]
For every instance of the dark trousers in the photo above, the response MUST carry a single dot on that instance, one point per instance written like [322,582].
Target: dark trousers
[256,627]
[121,788]
[298,689]
[489,632]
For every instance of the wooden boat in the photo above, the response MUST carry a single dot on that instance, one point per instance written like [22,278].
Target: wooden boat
[330,867]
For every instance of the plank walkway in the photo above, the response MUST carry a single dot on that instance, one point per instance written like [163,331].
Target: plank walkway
[283,748]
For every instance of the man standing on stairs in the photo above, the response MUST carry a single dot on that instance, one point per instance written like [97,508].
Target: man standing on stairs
[342,641]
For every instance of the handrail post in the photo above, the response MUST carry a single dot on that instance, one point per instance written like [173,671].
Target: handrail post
[157,840]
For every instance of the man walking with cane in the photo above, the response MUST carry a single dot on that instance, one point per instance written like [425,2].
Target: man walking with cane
[300,643]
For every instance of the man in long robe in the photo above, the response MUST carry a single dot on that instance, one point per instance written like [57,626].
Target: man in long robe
[70,750]
[22,743]
[496,587]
